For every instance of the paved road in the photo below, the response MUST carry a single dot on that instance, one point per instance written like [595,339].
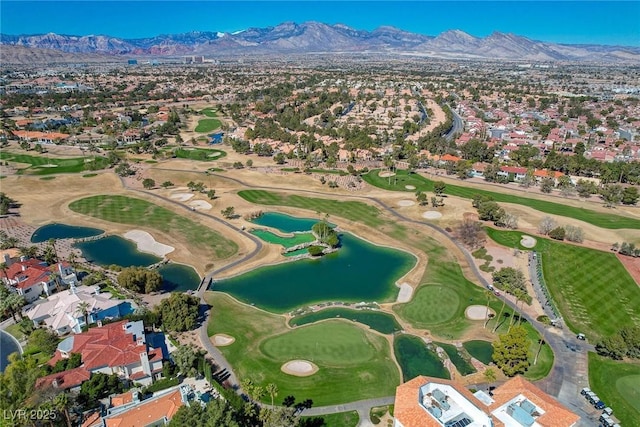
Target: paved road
[458,125]
[567,376]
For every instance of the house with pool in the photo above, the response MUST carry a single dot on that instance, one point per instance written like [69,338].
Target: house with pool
[435,402]
[121,348]
[64,312]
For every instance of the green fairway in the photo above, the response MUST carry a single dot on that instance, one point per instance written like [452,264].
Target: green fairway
[209,124]
[618,385]
[382,322]
[404,178]
[44,165]
[353,364]
[354,211]
[593,291]
[138,212]
[202,154]
[342,419]
[287,242]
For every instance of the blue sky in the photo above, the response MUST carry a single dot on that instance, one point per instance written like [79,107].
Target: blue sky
[601,22]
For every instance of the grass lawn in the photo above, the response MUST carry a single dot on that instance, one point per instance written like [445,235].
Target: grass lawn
[618,385]
[15,331]
[354,211]
[207,125]
[599,219]
[342,419]
[138,212]
[45,165]
[592,289]
[287,242]
[354,364]
[205,155]
[209,112]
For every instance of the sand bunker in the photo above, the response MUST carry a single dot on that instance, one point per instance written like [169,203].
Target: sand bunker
[478,312]
[405,293]
[410,187]
[299,368]
[220,340]
[146,243]
[406,203]
[432,215]
[528,241]
[386,174]
[181,197]
[200,205]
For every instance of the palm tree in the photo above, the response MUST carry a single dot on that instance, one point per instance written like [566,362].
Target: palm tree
[272,389]
[73,258]
[61,404]
[83,309]
[519,294]
[499,316]
[487,293]
[541,342]
[52,244]
[3,267]
[29,251]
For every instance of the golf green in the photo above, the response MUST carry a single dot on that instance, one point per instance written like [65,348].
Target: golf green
[432,304]
[629,389]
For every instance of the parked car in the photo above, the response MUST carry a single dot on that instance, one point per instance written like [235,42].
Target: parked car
[600,404]
[592,397]
[606,421]
[581,337]
[497,293]
[607,411]
[584,391]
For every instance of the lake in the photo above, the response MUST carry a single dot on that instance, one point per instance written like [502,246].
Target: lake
[8,345]
[115,250]
[285,223]
[63,231]
[358,271]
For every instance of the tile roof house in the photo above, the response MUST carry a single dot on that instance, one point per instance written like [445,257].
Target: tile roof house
[30,278]
[60,312]
[65,380]
[435,402]
[156,411]
[117,348]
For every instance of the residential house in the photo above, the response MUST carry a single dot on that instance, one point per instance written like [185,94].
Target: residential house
[67,380]
[117,348]
[32,278]
[515,173]
[435,402]
[156,411]
[41,137]
[61,312]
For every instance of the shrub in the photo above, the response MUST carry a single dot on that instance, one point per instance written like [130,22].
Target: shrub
[557,233]
[315,250]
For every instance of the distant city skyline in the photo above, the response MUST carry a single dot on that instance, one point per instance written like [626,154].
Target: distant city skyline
[576,22]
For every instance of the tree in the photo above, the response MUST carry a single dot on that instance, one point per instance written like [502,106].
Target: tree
[97,387]
[279,158]
[509,279]
[557,233]
[124,169]
[487,293]
[586,188]
[186,358]
[218,412]
[529,179]
[574,234]
[139,279]
[490,375]
[511,351]
[228,212]
[439,187]
[421,197]
[83,309]
[508,220]
[470,233]
[490,211]
[148,183]
[272,389]
[630,195]
[28,251]
[179,312]
[613,347]
[45,340]
[11,302]
[249,163]
[211,194]
[499,316]
[546,225]
[611,194]
[547,184]
[166,184]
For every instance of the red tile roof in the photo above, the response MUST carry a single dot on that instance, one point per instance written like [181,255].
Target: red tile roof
[66,379]
[148,412]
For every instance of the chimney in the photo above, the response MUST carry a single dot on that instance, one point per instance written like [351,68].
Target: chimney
[24,267]
[135,396]
[140,341]
[144,361]
[99,323]
[23,258]
[54,383]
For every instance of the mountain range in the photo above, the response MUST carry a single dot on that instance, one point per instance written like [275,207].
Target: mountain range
[316,37]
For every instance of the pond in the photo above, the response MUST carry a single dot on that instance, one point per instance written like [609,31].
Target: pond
[415,358]
[63,231]
[481,350]
[379,321]
[285,223]
[178,278]
[462,365]
[115,250]
[359,271]
[8,345]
